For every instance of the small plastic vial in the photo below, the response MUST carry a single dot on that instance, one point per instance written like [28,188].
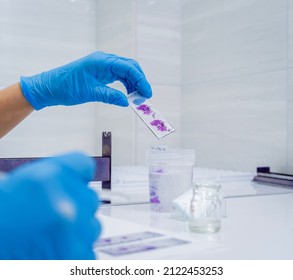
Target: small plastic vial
[205,208]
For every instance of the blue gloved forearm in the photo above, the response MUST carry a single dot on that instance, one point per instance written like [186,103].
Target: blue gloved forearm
[86,80]
[47,210]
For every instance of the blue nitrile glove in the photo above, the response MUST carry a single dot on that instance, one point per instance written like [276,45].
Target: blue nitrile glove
[85,80]
[47,210]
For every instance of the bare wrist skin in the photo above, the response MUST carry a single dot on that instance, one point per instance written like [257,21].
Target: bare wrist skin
[14,108]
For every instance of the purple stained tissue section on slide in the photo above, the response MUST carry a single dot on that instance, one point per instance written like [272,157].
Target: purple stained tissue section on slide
[159,124]
[154,200]
[146,109]
[154,197]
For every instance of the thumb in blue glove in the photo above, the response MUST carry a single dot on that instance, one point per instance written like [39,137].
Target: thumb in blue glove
[47,210]
[85,80]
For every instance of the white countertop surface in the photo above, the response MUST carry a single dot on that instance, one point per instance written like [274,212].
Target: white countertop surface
[257,219]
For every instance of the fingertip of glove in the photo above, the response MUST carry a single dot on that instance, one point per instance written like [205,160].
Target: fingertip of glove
[144,88]
[123,103]
[118,98]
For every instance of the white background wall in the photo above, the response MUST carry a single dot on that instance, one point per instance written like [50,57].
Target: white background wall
[36,36]
[221,72]
[237,83]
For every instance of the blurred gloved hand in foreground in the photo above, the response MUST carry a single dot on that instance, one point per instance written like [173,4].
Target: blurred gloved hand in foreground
[47,210]
[85,80]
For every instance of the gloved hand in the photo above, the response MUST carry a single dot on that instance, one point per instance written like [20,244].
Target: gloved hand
[86,80]
[47,211]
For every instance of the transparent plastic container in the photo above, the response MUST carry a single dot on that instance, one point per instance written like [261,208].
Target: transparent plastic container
[170,175]
[205,208]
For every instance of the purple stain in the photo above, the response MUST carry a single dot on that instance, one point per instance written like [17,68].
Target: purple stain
[146,248]
[160,125]
[154,200]
[152,193]
[146,109]
[160,170]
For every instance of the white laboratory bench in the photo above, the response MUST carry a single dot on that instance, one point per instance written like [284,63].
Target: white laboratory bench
[257,221]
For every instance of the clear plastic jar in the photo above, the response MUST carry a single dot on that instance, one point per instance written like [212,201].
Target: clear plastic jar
[205,208]
[170,175]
